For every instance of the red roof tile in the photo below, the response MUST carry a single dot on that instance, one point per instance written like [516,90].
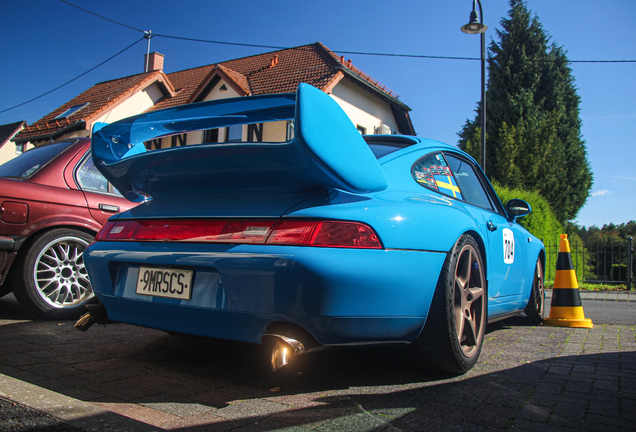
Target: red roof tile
[269,73]
[101,98]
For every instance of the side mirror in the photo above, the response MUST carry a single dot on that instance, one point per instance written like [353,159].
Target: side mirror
[517,208]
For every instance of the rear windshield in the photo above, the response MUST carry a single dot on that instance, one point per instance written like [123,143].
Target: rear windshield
[32,160]
[382,145]
[380,150]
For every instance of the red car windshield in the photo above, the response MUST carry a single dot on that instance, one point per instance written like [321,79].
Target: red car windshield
[32,160]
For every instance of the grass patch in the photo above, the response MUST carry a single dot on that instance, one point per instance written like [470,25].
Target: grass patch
[593,287]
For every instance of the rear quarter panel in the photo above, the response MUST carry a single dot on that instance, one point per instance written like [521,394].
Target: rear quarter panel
[405,215]
[48,206]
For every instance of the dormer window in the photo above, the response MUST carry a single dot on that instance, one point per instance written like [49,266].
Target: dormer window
[72,110]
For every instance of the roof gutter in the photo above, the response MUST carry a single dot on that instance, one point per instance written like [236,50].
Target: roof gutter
[372,87]
[52,135]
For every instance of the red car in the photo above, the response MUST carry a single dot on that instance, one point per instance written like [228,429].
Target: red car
[53,201]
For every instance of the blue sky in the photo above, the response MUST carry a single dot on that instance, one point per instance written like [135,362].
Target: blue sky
[45,43]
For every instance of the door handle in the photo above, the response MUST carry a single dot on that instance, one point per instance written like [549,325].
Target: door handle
[491,226]
[109,208]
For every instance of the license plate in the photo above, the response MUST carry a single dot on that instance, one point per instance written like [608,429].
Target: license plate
[162,282]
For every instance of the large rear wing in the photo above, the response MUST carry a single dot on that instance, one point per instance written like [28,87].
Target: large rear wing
[327,151]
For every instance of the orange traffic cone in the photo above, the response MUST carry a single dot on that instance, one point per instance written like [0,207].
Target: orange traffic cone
[566,309]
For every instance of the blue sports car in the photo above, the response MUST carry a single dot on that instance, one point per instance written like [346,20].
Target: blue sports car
[327,239]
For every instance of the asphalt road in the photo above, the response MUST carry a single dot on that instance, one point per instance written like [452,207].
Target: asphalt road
[607,312]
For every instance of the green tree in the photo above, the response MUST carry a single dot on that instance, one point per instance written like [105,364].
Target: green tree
[533,131]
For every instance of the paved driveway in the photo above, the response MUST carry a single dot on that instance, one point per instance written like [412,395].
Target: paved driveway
[121,377]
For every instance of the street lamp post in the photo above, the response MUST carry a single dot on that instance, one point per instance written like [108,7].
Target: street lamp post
[476,26]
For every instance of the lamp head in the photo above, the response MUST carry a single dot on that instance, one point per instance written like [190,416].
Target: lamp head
[475,26]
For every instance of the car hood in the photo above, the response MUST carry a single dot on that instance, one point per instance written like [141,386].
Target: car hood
[326,152]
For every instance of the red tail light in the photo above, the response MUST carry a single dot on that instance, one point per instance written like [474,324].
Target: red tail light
[287,232]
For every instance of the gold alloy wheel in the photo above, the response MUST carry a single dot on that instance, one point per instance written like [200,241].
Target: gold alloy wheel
[469,301]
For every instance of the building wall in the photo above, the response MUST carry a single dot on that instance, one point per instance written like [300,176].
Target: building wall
[134,105]
[362,107]
[8,150]
[272,131]
[217,93]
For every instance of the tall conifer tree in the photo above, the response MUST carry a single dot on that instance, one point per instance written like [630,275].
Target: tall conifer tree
[533,129]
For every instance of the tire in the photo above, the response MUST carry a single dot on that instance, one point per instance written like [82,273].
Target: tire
[536,303]
[454,331]
[50,279]
[5,288]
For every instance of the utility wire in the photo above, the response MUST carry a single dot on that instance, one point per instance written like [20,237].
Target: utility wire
[301,48]
[337,51]
[104,18]
[380,54]
[146,35]
[74,79]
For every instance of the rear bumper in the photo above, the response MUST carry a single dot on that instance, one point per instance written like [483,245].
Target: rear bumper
[6,259]
[9,246]
[340,296]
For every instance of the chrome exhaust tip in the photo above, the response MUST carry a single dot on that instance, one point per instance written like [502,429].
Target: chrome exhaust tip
[284,349]
[96,315]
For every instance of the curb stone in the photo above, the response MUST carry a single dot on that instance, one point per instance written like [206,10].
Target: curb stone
[81,415]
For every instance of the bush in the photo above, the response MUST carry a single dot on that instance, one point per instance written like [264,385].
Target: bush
[543,224]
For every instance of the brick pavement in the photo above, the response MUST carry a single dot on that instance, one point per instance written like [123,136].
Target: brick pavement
[121,377]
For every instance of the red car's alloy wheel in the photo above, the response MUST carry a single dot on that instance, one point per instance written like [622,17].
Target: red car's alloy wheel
[60,274]
[50,278]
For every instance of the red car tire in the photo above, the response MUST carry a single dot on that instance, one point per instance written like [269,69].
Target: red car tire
[50,279]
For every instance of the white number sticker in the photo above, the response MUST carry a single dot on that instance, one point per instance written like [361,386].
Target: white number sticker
[508,246]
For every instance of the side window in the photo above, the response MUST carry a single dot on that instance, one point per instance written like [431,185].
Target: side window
[433,172]
[468,181]
[89,178]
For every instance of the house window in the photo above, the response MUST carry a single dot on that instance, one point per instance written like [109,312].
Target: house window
[234,133]
[19,148]
[178,140]
[362,130]
[72,110]
[210,136]
[255,132]
[156,143]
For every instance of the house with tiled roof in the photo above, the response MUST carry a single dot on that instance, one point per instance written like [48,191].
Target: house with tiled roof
[371,106]
[9,150]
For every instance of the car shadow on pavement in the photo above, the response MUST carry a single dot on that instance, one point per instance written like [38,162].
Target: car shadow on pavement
[122,363]
[178,381]
[10,309]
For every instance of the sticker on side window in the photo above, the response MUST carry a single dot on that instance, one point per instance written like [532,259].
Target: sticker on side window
[433,172]
[508,246]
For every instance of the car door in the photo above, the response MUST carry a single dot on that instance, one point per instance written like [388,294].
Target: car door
[505,239]
[102,199]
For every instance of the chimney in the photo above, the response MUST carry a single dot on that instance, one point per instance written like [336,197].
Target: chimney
[155,61]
